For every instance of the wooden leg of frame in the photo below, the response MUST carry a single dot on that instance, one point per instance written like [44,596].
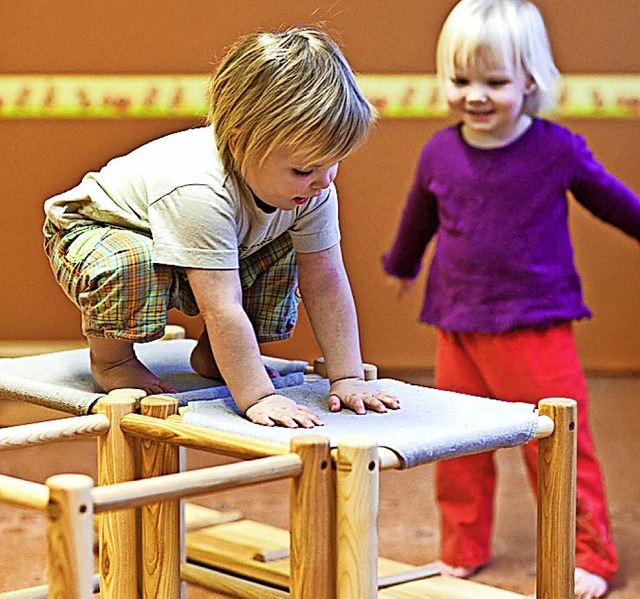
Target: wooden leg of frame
[557,501]
[312,520]
[357,491]
[118,531]
[161,526]
[70,536]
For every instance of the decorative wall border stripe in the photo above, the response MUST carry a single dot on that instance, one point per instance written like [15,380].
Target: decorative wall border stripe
[26,96]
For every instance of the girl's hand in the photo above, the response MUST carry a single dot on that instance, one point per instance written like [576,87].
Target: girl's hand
[356,395]
[402,287]
[279,410]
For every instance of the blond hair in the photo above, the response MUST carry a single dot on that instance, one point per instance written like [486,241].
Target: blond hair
[510,33]
[289,88]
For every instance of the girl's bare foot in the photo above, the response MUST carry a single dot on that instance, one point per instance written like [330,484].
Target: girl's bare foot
[589,586]
[114,365]
[456,571]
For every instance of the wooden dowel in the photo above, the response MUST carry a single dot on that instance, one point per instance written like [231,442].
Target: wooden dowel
[23,493]
[272,555]
[418,573]
[198,517]
[228,584]
[129,393]
[53,431]
[557,501]
[545,427]
[195,482]
[357,491]
[118,538]
[173,331]
[312,521]
[161,527]
[320,368]
[387,458]
[70,537]
[174,431]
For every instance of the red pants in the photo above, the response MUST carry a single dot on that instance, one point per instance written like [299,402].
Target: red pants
[525,365]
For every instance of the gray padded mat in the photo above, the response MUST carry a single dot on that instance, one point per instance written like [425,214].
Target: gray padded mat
[430,425]
[63,381]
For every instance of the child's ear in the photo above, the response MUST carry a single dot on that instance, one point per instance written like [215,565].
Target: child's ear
[531,85]
[234,144]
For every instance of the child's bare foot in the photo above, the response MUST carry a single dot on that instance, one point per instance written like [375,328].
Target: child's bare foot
[203,362]
[456,571]
[114,365]
[589,586]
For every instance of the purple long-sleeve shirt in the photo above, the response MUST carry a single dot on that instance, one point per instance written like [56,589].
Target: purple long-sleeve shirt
[503,256]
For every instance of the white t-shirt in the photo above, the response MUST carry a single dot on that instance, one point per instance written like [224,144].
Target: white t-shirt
[199,217]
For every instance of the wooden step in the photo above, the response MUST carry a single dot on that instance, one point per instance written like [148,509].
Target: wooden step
[259,552]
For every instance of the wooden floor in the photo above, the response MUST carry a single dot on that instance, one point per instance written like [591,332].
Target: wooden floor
[408,518]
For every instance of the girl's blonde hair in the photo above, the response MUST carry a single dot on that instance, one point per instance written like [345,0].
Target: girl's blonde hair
[286,88]
[510,33]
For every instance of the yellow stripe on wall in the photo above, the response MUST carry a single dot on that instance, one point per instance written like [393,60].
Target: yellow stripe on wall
[176,96]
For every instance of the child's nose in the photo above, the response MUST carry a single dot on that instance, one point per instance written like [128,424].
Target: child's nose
[325,178]
[476,93]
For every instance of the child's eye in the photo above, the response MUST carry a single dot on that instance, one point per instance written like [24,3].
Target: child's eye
[498,82]
[301,173]
[459,81]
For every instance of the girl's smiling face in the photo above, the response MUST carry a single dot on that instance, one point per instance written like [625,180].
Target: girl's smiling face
[489,100]
[286,179]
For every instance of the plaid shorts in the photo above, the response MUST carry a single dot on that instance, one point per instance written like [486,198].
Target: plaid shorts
[109,274]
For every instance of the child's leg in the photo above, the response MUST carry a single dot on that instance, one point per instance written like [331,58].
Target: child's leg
[527,366]
[558,374]
[465,490]
[464,486]
[123,297]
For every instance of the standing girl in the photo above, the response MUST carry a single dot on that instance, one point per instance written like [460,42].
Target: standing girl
[503,288]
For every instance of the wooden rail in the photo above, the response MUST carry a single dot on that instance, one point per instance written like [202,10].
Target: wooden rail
[194,482]
[53,431]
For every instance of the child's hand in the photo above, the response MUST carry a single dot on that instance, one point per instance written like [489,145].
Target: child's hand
[277,409]
[401,287]
[356,395]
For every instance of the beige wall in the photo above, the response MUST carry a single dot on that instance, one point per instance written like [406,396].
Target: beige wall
[41,157]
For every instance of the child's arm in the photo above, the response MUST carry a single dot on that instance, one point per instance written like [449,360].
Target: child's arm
[603,194]
[326,292]
[236,351]
[418,225]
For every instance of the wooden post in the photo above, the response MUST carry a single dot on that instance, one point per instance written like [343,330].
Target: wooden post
[118,531]
[357,490]
[557,501]
[161,527]
[312,521]
[70,536]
